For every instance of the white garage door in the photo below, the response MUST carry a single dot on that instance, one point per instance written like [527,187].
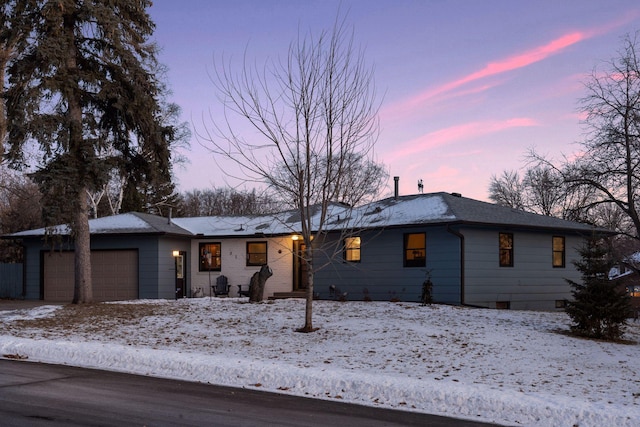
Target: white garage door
[114,275]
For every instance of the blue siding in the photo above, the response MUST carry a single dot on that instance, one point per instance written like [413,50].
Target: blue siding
[11,280]
[32,269]
[532,283]
[381,274]
[166,271]
[156,268]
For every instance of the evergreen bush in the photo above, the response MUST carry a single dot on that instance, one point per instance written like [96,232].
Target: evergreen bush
[599,309]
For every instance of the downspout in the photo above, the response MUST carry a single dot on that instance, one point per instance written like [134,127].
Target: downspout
[461,237]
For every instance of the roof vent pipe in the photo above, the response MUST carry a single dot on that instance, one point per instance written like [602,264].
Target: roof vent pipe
[396,191]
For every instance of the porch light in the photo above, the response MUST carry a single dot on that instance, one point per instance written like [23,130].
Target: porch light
[175,254]
[299,237]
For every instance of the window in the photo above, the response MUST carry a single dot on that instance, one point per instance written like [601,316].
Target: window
[503,305]
[561,303]
[256,253]
[415,250]
[506,249]
[210,259]
[558,251]
[633,290]
[352,249]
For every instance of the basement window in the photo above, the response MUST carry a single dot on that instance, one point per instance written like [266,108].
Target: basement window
[503,305]
[561,303]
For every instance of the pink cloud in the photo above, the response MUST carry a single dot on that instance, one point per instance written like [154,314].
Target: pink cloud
[493,68]
[456,154]
[480,88]
[511,63]
[456,133]
[628,17]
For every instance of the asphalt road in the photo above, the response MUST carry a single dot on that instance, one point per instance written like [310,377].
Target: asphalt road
[34,394]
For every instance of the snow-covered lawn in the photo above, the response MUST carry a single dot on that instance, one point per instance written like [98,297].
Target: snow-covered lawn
[508,367]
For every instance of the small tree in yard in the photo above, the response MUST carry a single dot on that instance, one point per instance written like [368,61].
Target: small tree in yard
[599,309]
[427,290]
[316,119]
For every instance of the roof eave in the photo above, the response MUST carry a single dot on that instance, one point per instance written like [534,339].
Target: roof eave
[480,224]
[587,230]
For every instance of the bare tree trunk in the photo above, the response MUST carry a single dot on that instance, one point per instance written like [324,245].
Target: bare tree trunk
[83,289]
[308,309]
[95,200]
[115,209]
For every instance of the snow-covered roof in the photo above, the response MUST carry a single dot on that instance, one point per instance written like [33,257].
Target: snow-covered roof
[433,208]
[128,223]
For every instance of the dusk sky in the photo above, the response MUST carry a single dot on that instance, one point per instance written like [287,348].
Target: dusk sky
[467,87]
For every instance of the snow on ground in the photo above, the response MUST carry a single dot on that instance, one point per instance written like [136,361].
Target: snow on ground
[507,367]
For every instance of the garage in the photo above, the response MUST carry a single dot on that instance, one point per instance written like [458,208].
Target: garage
[114,274]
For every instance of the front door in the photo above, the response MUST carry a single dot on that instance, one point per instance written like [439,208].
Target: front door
[180,276]
[300,278]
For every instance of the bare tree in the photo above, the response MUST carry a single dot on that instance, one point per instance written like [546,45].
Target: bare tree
[20,209]
[602,183]
[543,190]
[315,114]
[107,199]
[358,180]
[507,190]
[610,159]
[224,201]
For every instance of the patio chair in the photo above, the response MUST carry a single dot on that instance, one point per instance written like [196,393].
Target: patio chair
[221,288]
[244,293]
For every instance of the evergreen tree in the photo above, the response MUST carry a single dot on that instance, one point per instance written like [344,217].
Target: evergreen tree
[82,84]
[599,309]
